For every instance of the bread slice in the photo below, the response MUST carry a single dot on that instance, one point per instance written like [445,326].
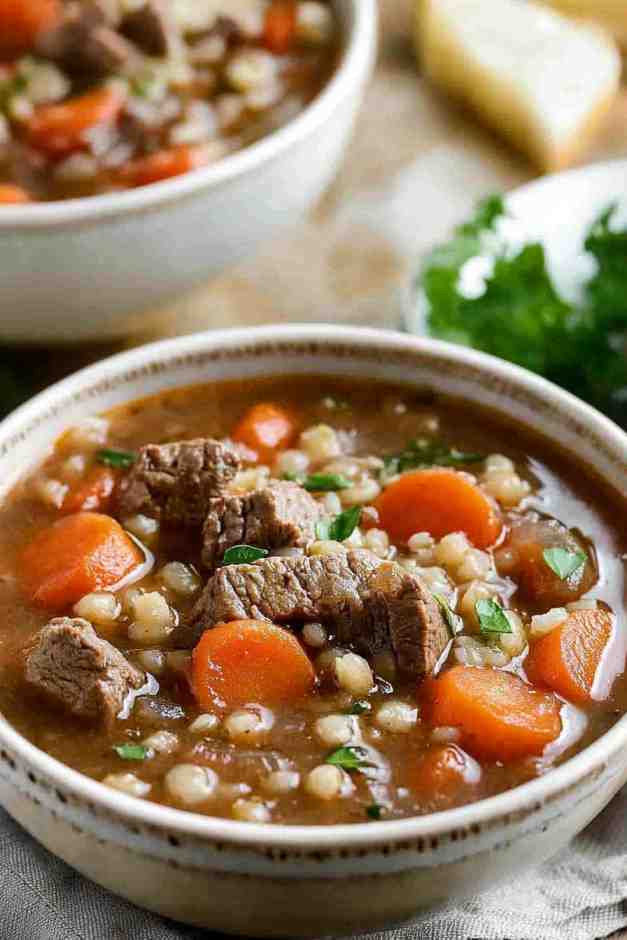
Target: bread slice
[612,14]
[542,80]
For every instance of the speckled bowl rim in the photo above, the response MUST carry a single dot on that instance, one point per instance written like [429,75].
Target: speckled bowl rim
[309,340]
[357,57]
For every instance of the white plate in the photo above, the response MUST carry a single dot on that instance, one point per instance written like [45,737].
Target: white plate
[556,210]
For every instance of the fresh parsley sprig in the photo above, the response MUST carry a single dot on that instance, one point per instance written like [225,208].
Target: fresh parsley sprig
[341,527]
[563,562]
[492,618]
[121,459]
[243,555]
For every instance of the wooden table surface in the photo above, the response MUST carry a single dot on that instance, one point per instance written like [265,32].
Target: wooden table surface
[415,167]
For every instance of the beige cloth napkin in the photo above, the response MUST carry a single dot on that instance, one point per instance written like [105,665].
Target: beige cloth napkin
[579,895]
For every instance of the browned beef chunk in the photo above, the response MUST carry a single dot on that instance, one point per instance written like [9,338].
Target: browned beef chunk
[151,28]
[85,42]
[81,672]
[280,515]
[369,604]
[175,482]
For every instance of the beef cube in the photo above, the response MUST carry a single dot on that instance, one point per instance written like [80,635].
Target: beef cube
[175,482]
[84,42]
[151,28]
[81,672]
[278,516]
[369,605]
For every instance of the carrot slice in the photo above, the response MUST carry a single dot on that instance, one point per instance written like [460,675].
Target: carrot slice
[78,554]
[164,164]
[59,129]
[21,22]
[444,774]
[567,659]
[265,428]
[12,195]
[499,715]
[250,661]
[92,494]
[280,26]
[438,501]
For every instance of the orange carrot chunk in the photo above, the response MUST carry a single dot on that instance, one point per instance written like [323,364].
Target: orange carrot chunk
[567,659]
[60,129]
[22,21]
[78,554]
[250,661]
[94,493]
[500,716]
[164,164]
[265,428]
[280,26]
[444,775]
[438,501]
[12,195]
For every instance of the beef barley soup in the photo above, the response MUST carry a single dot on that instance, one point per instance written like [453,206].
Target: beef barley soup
[98,96]
[310,600]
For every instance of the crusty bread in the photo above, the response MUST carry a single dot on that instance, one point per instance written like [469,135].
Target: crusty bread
[612,14]
[541,79]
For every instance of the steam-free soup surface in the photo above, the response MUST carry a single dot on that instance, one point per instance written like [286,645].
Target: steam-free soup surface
[483,641]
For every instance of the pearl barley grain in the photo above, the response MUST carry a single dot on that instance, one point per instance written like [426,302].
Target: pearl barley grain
[335,730]
[353,674]
[127,783]
[327,782]
[396,717]
[189,784]
[251,811]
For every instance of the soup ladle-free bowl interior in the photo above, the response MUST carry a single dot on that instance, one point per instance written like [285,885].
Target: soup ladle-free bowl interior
[277,880]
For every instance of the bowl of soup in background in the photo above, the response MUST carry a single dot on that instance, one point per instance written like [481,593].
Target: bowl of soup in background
[87,269]
[295,880]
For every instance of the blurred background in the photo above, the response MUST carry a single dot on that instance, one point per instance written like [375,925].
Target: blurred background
[416,166]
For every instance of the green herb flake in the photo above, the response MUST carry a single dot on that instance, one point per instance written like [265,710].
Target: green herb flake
[453,620]
[341,527]
[131,751]
[122,459]
[492,617]
[374,811]
[562,562]
[423,452]
[243,555]
[292,477]
[349,758]
[326,482]
[360,707]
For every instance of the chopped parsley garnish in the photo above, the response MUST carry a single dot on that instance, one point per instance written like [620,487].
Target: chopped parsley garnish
[453,620]
[293,477]
[424,452]
[326,482]
[359,708]
[243,555]
[131,751]
[491,291]
[116,458]
[349,758]
[492,617]
[374,811]
[341,527]
[562,562]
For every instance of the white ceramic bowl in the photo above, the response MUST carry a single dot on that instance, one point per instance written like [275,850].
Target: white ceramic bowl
[297,880]
[87,269]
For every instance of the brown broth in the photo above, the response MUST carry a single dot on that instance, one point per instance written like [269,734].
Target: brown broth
[376,418]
